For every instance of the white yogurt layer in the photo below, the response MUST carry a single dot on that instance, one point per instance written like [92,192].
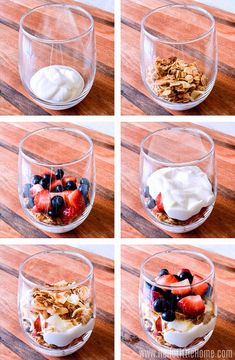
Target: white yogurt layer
[183,333]
[65,332]
[57,83]
[185,190]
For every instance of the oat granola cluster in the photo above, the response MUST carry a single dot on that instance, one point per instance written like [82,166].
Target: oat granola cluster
[176,81]
[73,305]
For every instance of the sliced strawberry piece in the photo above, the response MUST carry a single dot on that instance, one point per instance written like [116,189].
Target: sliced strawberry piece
[34,209]
[68,178]
[191,306]
[155,295]
[158,324]
[182,291]
[167,280]
[201,288]
[159,203]
[67,214]
[42,201]
[54,184]
[37,325]
[35,189]
[76,200]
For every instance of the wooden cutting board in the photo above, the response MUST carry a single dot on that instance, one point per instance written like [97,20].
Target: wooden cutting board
[135,223]
[135,344]
[13,222]
[14,99]
[13,344]
[135,98]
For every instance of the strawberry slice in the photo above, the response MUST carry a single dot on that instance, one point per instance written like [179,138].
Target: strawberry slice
[37,325]
[155,295]
[68,178]
[201,288]
[166,280]
[42,201]
[67,214]
[159,203]
[158,324]
[76,200]
[54,184]
[191,306]
[182,291]
[35,189]
[34,209]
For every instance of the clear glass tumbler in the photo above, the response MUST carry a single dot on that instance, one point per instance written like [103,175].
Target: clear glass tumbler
[56,178]
[177,306]
[56,301]
[178,55]
[57,54]
[178,185]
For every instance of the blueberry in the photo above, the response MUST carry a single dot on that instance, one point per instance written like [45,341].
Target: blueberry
[167,294]
[59,174]
[53,213]
[169,315]
[186,275]
[59,188]
[163,272]
[70,185]
[209,291]
[84,188]
[57,202]
[146,191]
[29,203]
[151,203]
[157,289]
[87,201]
[159,305]
[26,190]
[171,302]
[44,183]
[84,181]
[36,179]
[177,277]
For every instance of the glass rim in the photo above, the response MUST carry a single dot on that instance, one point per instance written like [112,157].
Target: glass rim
[185,6]
[55,128]
[185,163]
[172,286]
[55,41]
[62,252]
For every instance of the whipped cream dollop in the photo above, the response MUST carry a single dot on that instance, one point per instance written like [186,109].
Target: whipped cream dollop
[61,332]
[185,190]
[182,333]
[57,83]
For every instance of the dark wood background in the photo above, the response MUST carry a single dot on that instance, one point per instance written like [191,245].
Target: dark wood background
[134,341]
[14,99]
[137,224]
[14,223]
[135,98]
[13,345]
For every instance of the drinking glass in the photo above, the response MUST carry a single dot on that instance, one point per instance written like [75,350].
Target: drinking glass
[56,178]
[179,150]
[52,37]
[56,301]
[177,319]
[187,34]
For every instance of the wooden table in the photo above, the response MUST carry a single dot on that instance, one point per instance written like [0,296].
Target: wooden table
[135,98]
[13,344]
[13,222]
[135,344]
[14,99]
[136,223]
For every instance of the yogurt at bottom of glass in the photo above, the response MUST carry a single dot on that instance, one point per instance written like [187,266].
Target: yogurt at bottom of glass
[57,84]
[65,333]
[185,190]
[182,334]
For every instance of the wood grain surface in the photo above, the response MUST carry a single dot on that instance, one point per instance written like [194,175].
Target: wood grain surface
[135,344]
[135,98]
[14,99]
[136,223]
[14,223]
[13,344]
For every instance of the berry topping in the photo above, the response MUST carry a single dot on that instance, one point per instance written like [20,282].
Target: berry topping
[163,272]
[191,306]
[146,191]
[160,304]
[57,202]
[35,189]
[84,188]
[185,274]
[67,179]
[71,185]
[84,181]
[157,289]
[151,203]
[155,295]
[44,183]
[54,184]
[158,324]
[75,199]
[68,213]
[199,289]
[26,190]
[42,201]
[182,291]
[36,179]
[159,203]
[167,280]
[59,174]
[59,188]
[29,203]
[169,315]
